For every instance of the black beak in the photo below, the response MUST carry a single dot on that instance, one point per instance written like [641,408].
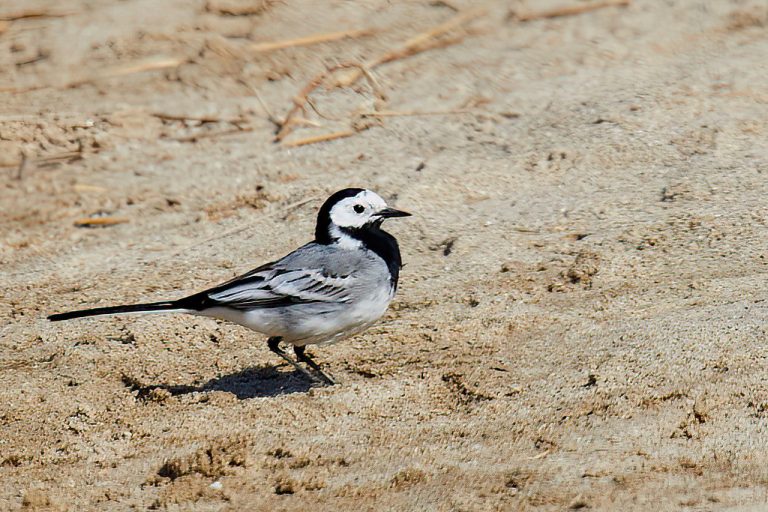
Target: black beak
[388,213]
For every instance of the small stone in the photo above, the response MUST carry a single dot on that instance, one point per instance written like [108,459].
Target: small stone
[578,503]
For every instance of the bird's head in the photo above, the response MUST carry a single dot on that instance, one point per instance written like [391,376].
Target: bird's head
[352,210]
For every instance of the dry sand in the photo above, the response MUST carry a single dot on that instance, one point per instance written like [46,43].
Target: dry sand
[581,320]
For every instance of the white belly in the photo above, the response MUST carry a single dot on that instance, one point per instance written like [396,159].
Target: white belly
[314,323]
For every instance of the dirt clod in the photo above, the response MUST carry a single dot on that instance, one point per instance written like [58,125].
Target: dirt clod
[285,485]
[215,461]
[408,477]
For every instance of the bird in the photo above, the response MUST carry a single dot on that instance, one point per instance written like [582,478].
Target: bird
[333,287]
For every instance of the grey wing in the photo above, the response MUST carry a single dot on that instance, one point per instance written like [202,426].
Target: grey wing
[277,287]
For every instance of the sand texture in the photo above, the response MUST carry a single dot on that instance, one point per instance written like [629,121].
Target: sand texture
[581,320]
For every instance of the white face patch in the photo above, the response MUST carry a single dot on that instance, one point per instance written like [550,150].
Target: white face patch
[357,211]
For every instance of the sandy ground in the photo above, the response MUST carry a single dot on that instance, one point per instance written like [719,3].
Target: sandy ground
[581,321]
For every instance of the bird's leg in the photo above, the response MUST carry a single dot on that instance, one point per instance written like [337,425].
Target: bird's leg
[302,356]
[274,345]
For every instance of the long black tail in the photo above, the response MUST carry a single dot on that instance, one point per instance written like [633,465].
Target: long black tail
[130,308]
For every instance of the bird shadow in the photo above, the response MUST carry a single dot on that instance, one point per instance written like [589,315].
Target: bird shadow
[256,382]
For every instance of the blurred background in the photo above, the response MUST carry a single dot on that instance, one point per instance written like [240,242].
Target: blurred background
[581,318]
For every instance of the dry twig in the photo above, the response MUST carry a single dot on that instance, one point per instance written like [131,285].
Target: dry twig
[84,188]
[417,44]
[320,138]
[210,135]
[150,64]
[310,40]
[202,119]
[270,117]
[33,13]
[570,10]
[25,161]
[301,99]
[541,455]
[429,39]
[301,121]
[410,113]
[66,155]
[89,222]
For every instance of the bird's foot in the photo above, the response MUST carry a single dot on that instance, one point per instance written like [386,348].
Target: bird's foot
[302,356]
[316,375]
[274,346]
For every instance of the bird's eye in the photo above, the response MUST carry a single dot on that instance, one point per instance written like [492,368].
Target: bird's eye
[359,208]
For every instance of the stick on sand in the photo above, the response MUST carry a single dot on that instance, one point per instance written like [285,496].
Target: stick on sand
[570,10]
[33,13]
[416,44]
[310,40]
[319,138]
[89,222]
[150,64]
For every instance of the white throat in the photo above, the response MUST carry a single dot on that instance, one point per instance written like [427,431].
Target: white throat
[343,240]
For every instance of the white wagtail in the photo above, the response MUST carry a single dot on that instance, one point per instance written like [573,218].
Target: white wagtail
[333,287]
